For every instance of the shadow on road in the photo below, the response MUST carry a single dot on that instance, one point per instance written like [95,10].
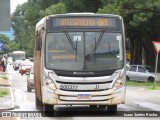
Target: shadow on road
[80,112]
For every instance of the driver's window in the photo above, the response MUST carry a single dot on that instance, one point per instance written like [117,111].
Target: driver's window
[133,68]
[141,69]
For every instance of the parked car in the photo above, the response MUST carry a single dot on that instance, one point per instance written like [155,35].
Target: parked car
[25,66]
[139,73]
[30,81]
[16,64]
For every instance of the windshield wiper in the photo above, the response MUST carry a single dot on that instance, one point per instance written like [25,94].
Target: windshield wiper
[99,40]
[70,40]
[97,43]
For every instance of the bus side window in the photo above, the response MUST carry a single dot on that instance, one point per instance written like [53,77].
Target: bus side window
[38,42]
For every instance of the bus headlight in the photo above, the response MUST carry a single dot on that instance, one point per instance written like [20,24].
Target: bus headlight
[119,83]
[49,83]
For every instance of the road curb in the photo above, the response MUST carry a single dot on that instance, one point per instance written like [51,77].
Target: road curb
[7,102]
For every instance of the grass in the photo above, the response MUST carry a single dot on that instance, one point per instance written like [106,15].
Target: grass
[148,85]
[4,77]
[4,92]
[152,88]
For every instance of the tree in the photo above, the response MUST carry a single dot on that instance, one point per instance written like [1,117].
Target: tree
[44,5]
[25,18]
[82,5]
[8,45]
[54,9]
[142,20]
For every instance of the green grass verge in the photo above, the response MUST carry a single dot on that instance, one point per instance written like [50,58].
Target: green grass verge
[152,88]
[149,85]
[4,92]
[4,77]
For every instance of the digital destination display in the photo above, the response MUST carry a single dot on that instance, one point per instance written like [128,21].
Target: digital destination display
[84,22]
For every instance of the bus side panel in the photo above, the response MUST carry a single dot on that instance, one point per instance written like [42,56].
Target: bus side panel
[37,73]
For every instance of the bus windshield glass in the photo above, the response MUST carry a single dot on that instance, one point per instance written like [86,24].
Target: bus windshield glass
[84,51]
[18,55]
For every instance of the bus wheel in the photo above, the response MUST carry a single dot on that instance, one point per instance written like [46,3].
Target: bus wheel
[112,108]
[39,104]
[93,106]
[48,109]
[102,106]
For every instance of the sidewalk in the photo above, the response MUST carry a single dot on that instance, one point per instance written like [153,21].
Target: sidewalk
[6,102]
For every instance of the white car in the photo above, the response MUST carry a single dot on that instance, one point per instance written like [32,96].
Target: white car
[16,64]
[139,73]
[30,80]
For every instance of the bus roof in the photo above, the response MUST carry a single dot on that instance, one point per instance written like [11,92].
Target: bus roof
[18,52]
[41,22]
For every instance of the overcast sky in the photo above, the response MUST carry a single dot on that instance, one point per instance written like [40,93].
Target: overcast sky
[14,3]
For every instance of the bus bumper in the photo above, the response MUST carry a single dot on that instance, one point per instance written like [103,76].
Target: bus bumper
[60,97]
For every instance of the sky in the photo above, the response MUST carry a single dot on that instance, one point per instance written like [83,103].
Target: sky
[14,3]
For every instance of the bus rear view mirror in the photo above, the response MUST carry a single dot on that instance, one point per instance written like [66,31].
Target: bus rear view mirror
[38,43]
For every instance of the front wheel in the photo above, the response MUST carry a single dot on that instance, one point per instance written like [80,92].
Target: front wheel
[102,106]
[150,79]
[48,109]
[93,106]
[39,104]
[127,78]
[112,108]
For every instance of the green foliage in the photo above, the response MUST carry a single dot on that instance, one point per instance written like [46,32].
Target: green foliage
[54,9]
[82,5]
[109,9]
[44,5]
[6,41]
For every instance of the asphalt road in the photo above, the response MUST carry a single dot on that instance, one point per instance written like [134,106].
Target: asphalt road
[137,99]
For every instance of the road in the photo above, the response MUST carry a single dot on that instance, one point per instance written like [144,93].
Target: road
[137,99]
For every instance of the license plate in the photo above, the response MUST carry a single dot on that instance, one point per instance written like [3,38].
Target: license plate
[84,96]
[68,87]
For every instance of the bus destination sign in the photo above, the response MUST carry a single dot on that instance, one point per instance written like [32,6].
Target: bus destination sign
[84,22]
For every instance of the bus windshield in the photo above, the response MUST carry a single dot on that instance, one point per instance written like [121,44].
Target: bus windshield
[84,51]
[18,55]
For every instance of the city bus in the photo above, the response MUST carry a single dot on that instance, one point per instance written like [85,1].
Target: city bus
[18,55]
[79,59]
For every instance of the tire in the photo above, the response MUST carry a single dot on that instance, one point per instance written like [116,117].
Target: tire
[48,109]
[150,79]
[93,106]
[102,106]
[127,78]
[112,108]
[39,104]
[28,88]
